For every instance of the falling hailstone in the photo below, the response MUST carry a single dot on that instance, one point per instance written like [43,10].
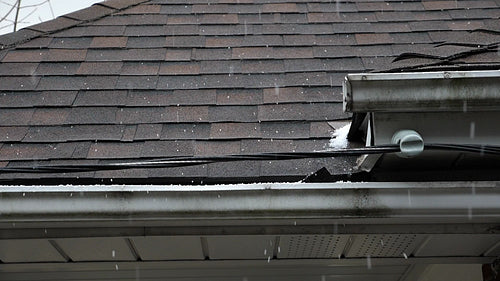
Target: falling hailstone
[472,131]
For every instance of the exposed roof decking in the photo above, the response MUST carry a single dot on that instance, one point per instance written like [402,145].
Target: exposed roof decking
[170,78]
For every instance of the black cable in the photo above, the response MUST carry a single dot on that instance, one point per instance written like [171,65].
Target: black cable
[174,162]
[442,63]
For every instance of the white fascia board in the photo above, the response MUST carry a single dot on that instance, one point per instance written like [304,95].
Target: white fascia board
[428,200]
[422,91]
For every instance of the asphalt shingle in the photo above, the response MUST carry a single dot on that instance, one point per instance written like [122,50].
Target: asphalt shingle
[165,78]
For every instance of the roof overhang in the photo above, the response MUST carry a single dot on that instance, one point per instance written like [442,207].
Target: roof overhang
[348,202]
[289,231]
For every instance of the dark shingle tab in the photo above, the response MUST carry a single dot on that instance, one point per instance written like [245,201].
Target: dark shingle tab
[13,69]
[92,115]
[101,98]
[141,9]
[36,151]
[136,82]
[19,36]
[109,42]
[74,133]
[285,130]
[70,43]
[12,134]
[36,43]
[54,55]
[58,68]
[53,25]
[450,4]
[218,147]
[120,4]
[236,113]
[191,97]
[148,132]
[48,83]
[93,12]
[179,68]
[185,131]
[18,83]
[167,148]
[298,112]
[27,99]
[235,130]
[99,68]
[107,150]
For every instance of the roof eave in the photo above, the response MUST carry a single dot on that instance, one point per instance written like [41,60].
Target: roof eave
[403,202]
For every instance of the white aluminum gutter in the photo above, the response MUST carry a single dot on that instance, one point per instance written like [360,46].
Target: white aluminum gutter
[428,201]
[422,91]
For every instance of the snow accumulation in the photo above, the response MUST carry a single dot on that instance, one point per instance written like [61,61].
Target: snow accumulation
[339,139]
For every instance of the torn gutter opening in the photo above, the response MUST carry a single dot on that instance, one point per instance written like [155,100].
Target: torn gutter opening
[465,96]
[447,107]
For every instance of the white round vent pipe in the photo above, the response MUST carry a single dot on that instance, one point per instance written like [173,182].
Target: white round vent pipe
[410,142]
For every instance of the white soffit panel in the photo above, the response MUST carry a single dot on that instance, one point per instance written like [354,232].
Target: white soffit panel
[169,247]
[441,245]
[334,277]
[370,277]
[96,249]
[31,250]
[241,247]
[384,245]
[311,246]
[455,272]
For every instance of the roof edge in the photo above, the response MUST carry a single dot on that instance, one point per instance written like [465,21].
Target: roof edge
[426,200]
[92,13]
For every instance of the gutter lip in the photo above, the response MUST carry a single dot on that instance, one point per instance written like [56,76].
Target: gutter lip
[400,202]
[422,75]
[341,185]
[442,91]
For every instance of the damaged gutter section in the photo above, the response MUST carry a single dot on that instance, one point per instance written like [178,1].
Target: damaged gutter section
[456,91]
[432,201]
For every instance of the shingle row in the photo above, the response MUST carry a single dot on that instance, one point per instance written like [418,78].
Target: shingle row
[153,98]
[171,131]
[153,148]
[170,114]
[129,79]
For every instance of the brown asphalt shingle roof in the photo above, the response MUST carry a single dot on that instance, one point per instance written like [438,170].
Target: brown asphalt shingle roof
[130,79]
